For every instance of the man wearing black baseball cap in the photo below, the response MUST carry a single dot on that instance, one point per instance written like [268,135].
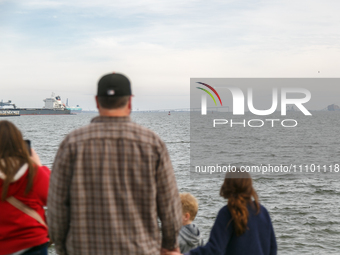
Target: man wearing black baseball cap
[110,182]
[113,93]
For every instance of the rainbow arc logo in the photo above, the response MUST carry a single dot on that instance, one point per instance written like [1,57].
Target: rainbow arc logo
[208,92]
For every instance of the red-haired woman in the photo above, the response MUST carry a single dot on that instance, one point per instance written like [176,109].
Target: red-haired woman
[243,226]
[23,184]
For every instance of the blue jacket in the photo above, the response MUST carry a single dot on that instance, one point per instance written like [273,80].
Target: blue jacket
[259,238]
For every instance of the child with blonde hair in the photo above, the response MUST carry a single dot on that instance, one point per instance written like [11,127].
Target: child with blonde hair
[189,235]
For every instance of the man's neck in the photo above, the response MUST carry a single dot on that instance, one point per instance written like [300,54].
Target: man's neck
[117,112]
[114,113]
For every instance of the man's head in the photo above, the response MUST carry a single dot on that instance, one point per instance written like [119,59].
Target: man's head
[189,207]
[114,95]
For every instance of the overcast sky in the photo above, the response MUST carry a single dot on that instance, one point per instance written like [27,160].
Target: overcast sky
[66,46]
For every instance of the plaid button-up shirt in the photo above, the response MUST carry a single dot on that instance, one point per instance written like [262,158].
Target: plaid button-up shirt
[110,182]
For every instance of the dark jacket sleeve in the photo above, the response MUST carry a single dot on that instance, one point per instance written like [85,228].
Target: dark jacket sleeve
[219,236]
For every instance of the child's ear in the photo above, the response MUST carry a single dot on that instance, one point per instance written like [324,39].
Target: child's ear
[187,216]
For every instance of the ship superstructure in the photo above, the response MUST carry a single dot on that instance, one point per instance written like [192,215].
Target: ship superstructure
[54,102]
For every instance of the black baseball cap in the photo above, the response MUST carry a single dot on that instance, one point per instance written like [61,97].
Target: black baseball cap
[114,85]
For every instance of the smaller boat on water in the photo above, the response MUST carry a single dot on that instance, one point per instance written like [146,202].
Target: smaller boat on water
[73,109]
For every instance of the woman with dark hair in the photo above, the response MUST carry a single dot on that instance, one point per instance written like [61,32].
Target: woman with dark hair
[243,226]
[23,193]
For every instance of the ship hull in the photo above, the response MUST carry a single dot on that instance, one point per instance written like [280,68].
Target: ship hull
[6,113]
[74,109]
[42,111]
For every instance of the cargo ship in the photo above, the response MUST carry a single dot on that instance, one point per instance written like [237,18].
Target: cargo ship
[53,106]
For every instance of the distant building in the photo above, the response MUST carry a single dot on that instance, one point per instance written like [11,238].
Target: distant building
[333,107]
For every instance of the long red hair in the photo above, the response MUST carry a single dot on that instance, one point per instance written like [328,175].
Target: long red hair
[238,189]
[13,154]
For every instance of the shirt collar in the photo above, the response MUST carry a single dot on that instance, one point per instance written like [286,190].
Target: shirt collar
[111,119]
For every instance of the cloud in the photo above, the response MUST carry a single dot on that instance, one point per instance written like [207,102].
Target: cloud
[68,45]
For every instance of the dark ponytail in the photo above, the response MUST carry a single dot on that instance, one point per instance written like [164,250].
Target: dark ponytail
[239,191]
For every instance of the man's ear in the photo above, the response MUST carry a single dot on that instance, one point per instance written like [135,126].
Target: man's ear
[129,103]
[97,104]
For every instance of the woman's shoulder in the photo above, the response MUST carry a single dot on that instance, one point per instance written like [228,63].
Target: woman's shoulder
[263,209]
[43,172]
[264,213]
[223,216]
[224,211]
[252,208]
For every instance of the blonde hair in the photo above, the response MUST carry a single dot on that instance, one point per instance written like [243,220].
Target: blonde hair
[189,204]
